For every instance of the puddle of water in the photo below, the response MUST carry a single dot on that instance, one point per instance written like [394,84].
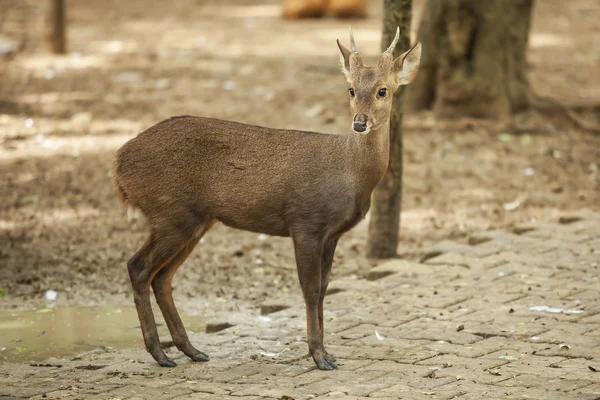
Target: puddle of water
[65,332]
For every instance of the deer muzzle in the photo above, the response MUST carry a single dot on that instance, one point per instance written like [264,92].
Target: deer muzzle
[361,124]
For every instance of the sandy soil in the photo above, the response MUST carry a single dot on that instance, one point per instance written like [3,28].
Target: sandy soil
[133,64]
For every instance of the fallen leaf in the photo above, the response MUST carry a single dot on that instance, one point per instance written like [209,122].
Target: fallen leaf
[555,310]
[33,198]
[526,140]
[513,205]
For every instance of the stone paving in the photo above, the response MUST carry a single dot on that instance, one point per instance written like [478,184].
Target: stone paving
[512,315]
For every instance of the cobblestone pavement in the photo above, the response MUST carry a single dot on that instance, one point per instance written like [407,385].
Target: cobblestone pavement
[512,315]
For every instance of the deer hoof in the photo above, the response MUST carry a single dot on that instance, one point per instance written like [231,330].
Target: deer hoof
[166,362]
[325,365]
[330,358]
[200,357]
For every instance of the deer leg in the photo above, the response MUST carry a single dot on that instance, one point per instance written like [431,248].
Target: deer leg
[309,252]
[158,250]
[326,263]
[161,285]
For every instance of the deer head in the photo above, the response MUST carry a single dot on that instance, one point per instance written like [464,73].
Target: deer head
[372,88]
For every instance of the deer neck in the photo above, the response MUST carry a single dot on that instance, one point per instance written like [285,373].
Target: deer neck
[370,155]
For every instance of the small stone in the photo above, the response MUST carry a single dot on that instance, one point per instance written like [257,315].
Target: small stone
[229,85]
[213,327]
[528,171]
[267,309]
[51,295]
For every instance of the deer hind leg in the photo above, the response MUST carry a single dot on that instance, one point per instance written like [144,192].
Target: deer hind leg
[309,252]
[160,248]
[161,285]
[327,261]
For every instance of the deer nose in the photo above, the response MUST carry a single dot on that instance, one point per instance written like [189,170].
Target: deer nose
[360,125]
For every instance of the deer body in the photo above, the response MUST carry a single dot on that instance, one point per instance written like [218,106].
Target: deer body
[186,173]
[252,178]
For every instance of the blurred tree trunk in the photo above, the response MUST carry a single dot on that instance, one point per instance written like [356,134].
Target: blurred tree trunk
[384,226]
[473,61]
[55,26]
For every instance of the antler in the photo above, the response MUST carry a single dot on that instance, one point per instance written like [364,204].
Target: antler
[394,42]
[352,44]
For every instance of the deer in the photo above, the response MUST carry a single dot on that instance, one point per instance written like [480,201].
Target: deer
[186,173]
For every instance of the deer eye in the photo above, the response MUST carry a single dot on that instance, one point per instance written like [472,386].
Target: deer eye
[351,92]
[382,92]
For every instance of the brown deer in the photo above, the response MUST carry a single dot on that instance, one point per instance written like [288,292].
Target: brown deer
[186,173]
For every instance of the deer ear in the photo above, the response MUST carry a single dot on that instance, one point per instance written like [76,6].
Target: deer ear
[406,65]
[344,61]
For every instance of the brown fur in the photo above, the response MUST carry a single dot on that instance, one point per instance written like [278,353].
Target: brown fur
[250,177]
[186,173]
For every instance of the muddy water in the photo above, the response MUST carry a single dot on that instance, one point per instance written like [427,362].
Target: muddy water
[65,332]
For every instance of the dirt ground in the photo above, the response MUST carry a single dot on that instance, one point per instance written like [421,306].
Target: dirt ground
[132,64]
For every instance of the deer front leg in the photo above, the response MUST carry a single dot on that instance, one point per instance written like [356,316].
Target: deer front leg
[309,253]
[326,263]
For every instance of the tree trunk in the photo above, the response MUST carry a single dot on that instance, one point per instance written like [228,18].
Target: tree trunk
[384,226]
[55,36]
[473,61]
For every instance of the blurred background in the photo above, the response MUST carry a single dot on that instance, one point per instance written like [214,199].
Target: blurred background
[130,64]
